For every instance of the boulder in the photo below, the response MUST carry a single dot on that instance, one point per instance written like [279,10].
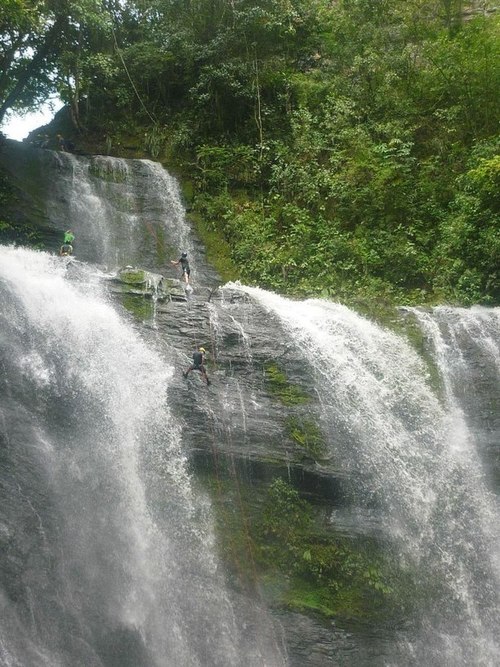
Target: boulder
[140,282]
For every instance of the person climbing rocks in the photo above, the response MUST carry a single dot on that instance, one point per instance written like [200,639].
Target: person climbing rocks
[184,262]
[198,364]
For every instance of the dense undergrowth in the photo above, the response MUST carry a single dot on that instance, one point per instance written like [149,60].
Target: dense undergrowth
[347,149]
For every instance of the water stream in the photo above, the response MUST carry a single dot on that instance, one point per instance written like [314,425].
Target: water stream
[414,456]
[107,553]
[109,556]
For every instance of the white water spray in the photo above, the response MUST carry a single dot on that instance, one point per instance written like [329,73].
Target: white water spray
[113,547]
[122,212]
[387,428]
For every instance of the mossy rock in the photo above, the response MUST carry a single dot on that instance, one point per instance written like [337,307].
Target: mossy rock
[171,284]
[141,308]
[132,276]
[308,436]
[107,172]
[139,282]
[281,388]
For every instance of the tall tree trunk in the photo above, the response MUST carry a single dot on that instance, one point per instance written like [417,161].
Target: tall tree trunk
[75,94]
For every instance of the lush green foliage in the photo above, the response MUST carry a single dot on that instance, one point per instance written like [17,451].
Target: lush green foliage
[280,387]
[347,149]
[306,433]
[335,148]
[282,543]
[336,570]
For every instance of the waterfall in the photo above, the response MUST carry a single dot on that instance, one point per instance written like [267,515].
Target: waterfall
[415,457]
[109,555]
[466,346]
[107,551]
[123,212]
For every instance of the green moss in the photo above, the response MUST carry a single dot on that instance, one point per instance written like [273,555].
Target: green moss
[279,386]
[305,597]
[133,276]
[217,249]
[140,307]
[107,172]
[305,433]
[326,573]
[276,539]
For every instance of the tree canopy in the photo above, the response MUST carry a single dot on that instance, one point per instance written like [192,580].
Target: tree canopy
[338,147]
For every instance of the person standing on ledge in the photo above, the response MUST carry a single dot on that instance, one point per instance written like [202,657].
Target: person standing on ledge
[198,364]
[67,246]
[184,262]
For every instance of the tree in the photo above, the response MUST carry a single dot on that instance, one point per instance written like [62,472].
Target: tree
[42,42]
[29,34]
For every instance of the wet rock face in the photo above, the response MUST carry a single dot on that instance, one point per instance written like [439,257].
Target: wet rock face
[482,405]
[259,410]
[246,412]
[139,282]
[241,340]
[235,365]
[25,182]
[470,363]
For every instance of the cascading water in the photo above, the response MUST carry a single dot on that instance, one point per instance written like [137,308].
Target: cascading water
[123,212]
[107,550]
[466,347]
[416,459]
[107,555]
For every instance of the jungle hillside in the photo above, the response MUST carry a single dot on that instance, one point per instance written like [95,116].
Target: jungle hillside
[342,148]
